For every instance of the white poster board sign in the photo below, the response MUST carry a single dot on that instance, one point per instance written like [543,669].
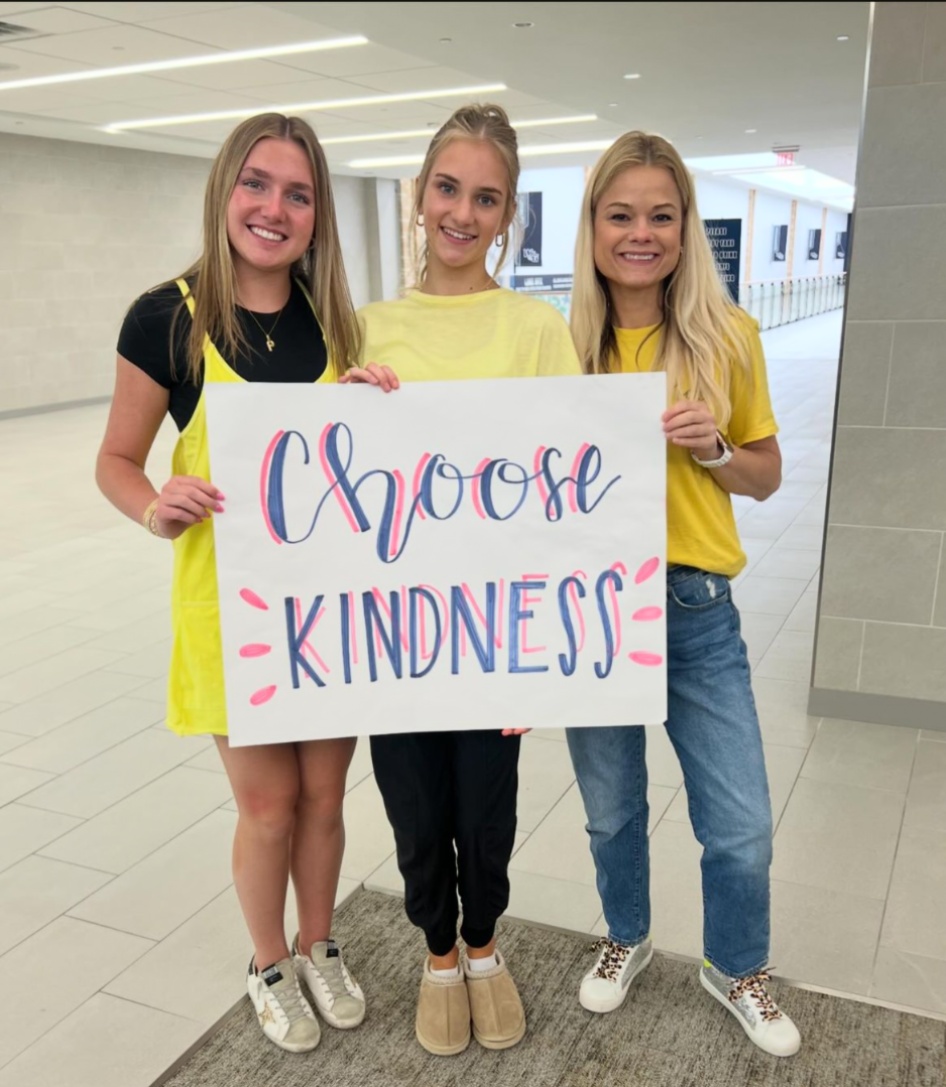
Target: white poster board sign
[453,555]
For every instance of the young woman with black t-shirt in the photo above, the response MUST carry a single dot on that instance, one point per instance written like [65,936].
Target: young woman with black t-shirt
[266,301]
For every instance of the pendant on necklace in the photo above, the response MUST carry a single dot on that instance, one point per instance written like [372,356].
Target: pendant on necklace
[270,344]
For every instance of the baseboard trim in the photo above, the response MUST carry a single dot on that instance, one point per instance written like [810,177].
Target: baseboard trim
[877,709]
[42,409]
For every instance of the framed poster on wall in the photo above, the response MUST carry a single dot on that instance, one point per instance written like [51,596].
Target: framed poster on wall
[814,244]
[779,241]
[725,238]
[529,254]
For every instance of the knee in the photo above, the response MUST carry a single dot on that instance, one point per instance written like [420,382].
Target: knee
[322,806]
[268,813]
[609,811]
[749,852]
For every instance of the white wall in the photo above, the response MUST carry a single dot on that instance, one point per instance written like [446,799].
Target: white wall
[561,190]
[88,228]
[717,198]
[770,209]
[722,200]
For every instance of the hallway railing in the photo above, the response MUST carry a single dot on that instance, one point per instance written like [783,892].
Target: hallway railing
[771,302]
[779,302]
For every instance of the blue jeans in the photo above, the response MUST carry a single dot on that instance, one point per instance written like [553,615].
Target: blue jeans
[714,729]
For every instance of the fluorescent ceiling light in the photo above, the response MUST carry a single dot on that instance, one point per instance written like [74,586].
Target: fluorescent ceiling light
[416,133]
[303,107]
[524,152]
[762,169]
[186,62]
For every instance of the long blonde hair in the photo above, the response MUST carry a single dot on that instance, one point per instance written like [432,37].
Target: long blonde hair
[473,122]
[321,268]
[702,334]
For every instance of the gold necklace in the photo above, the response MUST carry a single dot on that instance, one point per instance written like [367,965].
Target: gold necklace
[270,342]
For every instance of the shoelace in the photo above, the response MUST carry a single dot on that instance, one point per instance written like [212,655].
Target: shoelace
[754,988]
[289,999]
[612,958]
[335,977]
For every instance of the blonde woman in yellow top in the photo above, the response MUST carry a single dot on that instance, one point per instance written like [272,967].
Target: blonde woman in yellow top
[266,301]
[451,796]
[647,297]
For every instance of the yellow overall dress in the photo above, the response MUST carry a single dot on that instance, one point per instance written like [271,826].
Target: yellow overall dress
[196,700]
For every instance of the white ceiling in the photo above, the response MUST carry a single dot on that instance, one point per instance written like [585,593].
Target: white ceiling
[708,72]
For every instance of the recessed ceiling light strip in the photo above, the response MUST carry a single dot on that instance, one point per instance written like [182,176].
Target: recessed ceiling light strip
[185,62]
[303,107]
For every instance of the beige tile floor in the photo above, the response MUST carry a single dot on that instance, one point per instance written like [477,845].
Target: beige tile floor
[119,930]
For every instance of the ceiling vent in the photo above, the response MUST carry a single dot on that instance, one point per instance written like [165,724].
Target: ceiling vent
[11,32]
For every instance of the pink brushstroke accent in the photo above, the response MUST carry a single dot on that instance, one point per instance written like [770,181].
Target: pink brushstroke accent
[306,645]
[253,600]
[573,487]
[647,615]
[475,489]
[649,660]
[264,473]
[346,509]
[264,694]
[255,649]
[539,482]
[398,511]
[648,569]
[415,485]
[619,568]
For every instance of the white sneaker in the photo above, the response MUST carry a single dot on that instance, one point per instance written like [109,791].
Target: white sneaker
[338,997]
[758,1014]
[605,985]
[282,1010]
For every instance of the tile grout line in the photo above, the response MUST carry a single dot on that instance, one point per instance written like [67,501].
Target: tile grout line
[939,570]
[893,865]
[893,336]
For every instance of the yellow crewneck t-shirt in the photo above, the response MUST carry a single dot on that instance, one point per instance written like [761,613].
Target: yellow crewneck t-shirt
[701,529]
[497,333]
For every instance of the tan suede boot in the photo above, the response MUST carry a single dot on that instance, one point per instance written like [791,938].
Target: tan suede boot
[443,1013]
[499,1020]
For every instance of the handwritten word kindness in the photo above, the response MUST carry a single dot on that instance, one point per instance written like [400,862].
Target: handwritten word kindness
[409,632]
[380,499]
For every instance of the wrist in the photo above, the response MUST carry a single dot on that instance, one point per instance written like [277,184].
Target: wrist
[149,519]
[722,454]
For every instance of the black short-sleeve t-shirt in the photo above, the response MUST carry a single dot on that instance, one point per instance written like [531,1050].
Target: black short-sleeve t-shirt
[298,354]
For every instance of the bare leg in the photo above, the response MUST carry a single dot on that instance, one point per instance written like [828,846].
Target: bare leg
[265,782]
[445,962]
[482,952]
[318,840]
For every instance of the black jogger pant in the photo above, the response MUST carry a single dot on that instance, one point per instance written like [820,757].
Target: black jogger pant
[451,800]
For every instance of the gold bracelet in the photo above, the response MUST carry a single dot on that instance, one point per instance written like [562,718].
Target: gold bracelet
[150,516]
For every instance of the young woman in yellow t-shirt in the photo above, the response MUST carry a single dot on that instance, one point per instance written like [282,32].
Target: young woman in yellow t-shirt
[647,297]
[451,796]
[270,290]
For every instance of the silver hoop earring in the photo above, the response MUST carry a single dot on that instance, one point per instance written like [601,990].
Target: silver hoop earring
[500,239]
[419,221]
